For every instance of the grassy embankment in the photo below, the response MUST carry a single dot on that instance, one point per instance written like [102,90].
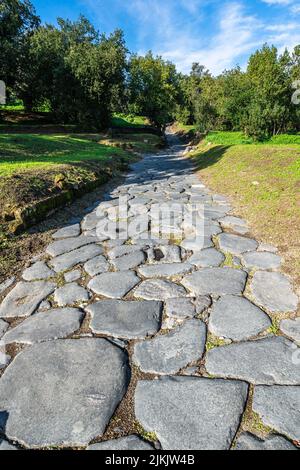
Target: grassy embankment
[36,166]
[262,181]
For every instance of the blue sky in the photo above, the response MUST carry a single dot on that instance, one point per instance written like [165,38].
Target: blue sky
[217,33]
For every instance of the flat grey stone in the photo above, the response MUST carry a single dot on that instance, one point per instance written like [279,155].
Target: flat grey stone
[290,328]
[67,232]
[164,254]
[75,387]
[95,266]
[124,443]
[69,244]
[167,354]
[3,327]
[235,244]
[25,298]
[264,362]
[164,269]
[189,413]
[114,285]
[267,247]
[218,281]
[197,244]
[70,294]
[72,275]
[129,320]
[158,289]
[279,408]
[122,250]
[50,325]
[69,260]
[126,262]
[91,221]
[273,291]
[5,445]
[248,441]
[236,318]
[202,303]
[207,258]
[261,260]
[7,284]
[37,271]
[180,308]
[231,221]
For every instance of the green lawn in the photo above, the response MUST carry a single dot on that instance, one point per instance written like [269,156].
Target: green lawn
[128,120]
[263,183]
[20,152]
[239,138]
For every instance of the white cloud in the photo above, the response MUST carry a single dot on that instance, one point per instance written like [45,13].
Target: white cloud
[278,2]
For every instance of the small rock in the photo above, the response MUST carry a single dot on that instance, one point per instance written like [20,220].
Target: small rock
[180,308]
[235,244]
[70,294]
[126,262]
[38,271]
[261,260]
[207,258]
[129,320]
[264,362]
[164,270]
[25,298]
[114,285]
[167,354]
[155,289]
[248,441]
[291,328]
[279,408]
[164,254]
[273,291]
[202,303]
[73,275]
[124,443]
[95,266]
[69,260]
[67,232]
[51,325]
[236,318]
[218,281]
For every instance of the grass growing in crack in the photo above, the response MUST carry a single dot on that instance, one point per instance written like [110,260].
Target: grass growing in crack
[229,262]
[251,421]
[148,436]
[214,342]
[275,328]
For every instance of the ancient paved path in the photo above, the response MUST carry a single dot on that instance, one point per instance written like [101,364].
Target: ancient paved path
[206,320]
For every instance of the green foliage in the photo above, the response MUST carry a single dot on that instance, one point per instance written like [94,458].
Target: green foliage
[153,88]
[256,102]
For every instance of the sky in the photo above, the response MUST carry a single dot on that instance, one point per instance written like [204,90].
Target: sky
[219,34]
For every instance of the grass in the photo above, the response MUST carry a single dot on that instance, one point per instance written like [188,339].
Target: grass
[239,138]
[128,120]
[263,183]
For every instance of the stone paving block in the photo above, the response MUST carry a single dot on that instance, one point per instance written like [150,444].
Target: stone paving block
[70,294]
[235,244]
[189,413]
[38,271]
[69,260]
[124,443]
[218,281]
[25,298]
[158,289]
[279,408]
[129,320]
[248,441]
[114,285]
[75,387]
[273,291]
[67,232]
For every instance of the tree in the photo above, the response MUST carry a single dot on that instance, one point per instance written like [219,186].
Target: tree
[18,20]
[153,86]
[79,72]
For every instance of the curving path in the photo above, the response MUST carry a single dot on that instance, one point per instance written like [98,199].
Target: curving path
[203,322]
